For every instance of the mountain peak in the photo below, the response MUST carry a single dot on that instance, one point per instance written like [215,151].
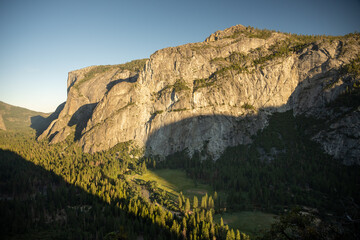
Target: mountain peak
[240,31]
[220,34]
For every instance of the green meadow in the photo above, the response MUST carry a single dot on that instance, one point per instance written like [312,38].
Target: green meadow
[249,222]
[176,181]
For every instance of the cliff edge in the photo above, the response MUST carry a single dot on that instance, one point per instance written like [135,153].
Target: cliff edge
[218,93]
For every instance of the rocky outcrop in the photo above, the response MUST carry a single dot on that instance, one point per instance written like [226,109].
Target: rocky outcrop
[86,87]
[342,138]
[211,95]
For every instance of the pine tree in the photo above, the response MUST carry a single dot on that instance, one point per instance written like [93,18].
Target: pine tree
[204,201]
[212,230]
[182,197]
[195,203]
[174,228]
[209,217]
[232,234]
[210,203]
[238,236]
[187,205]
[180,202]
[184,223]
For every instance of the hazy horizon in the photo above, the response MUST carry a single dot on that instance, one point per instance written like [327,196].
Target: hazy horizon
[43,40]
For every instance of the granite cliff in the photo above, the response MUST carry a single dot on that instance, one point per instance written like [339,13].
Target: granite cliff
[210,95]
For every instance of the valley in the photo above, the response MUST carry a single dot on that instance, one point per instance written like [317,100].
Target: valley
[251,134]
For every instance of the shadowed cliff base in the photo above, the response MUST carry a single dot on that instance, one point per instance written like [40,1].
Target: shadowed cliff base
[80,118]
[40,123]
[218,133]
[210,134]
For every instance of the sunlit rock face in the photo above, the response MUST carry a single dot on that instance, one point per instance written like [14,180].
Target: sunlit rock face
[214,94]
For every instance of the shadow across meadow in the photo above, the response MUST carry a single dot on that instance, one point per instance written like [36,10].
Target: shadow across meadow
[38,204]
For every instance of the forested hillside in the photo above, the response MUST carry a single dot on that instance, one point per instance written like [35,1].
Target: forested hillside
[59,192]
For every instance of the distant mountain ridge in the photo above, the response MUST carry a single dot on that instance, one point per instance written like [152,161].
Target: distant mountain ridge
[18,118]
[207,96]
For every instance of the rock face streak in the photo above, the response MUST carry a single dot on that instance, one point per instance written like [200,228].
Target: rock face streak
[218,93]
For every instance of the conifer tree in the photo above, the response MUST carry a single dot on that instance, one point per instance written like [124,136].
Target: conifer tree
[187,205]
[195,203]
[210,202]
[204,201]
[238,236]
[180,202]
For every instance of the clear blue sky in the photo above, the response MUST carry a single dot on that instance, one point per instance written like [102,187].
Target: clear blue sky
[41,41]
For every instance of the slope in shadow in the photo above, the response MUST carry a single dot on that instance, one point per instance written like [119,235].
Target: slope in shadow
[80,118]
[129,80]
[38,204]
[40,123]
[207,133]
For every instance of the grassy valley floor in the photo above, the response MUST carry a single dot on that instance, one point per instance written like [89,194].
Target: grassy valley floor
[249,222]
[174,181]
